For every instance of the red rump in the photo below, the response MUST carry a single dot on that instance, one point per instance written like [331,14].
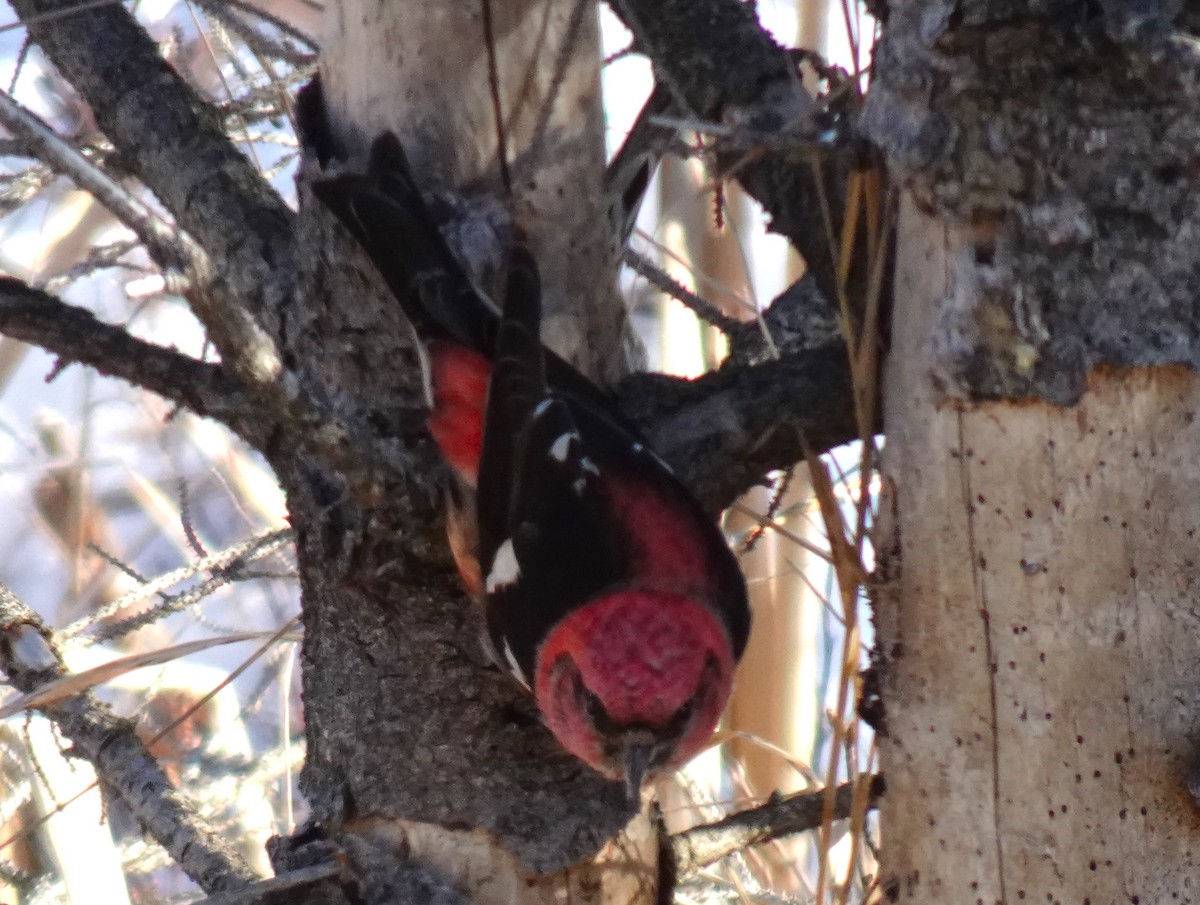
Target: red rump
[460,383]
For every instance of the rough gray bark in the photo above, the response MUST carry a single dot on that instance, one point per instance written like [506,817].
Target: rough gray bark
[407,723]
[1035,608]
[1072,156]
[121,760]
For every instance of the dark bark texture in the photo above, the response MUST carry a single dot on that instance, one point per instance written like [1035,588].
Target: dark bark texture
[405,718]
[1066,134]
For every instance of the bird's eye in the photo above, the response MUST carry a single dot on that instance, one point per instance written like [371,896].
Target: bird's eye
[591,705]
[684,714]
[595,710]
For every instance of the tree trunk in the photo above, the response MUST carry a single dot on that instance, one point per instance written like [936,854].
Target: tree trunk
[428,775]
[1036,619]
[424,71]
[412,734]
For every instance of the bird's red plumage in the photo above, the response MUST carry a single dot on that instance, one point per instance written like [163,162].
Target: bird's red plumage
[668,551]
[605,580]
[460,382]
[644,655]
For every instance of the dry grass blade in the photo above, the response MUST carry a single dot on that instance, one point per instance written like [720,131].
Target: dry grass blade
[772,525]
[850,574]
[170,727]
[77,683]
[846,563]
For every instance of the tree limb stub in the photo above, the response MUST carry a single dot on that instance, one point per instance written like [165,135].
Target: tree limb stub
[722,432]
[29,659]
[786,385]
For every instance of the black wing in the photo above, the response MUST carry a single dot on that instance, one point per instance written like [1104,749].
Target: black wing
[572,505]
[384,210]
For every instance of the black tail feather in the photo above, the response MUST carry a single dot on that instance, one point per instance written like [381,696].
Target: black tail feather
[384,211]
[518,383]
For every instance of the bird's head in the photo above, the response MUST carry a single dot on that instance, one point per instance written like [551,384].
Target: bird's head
[635,682]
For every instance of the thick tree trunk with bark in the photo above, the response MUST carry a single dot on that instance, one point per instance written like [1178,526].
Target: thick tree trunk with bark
[412,733]
[428,773]
[1036,605]
[439,75]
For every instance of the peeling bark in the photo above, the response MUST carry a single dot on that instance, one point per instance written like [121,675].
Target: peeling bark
[1036,623]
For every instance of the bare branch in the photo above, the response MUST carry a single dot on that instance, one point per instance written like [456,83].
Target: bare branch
[722,432]
[174,143]
[100,257]
[719,63]
[225,565]
[282,25]
[293,882]
[259,42]
[660,279]
[242,341]
[703,845]
[75,335]
[29,659]
[167,245]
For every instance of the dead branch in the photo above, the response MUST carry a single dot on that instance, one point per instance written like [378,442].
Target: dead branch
[660,279]
[75,335]
[786,383]
[778,817]
[294,883]
[172,141]
[166,244]
[29,659]
[722,432]
[719,64]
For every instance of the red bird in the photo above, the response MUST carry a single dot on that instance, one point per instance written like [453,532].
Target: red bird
[609,592]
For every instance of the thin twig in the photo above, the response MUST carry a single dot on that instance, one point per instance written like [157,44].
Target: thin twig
[29,659]
[704,845]
[562,62]
[223,564]
[627,175]
[264,889]
[260,43]
[169,245]
[282,24]
[242,341]
[489,41]
[703,309]
[100,257]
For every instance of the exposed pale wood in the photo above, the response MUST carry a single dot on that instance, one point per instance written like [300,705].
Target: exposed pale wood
[1038,625]
[624,871]
[422,70]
